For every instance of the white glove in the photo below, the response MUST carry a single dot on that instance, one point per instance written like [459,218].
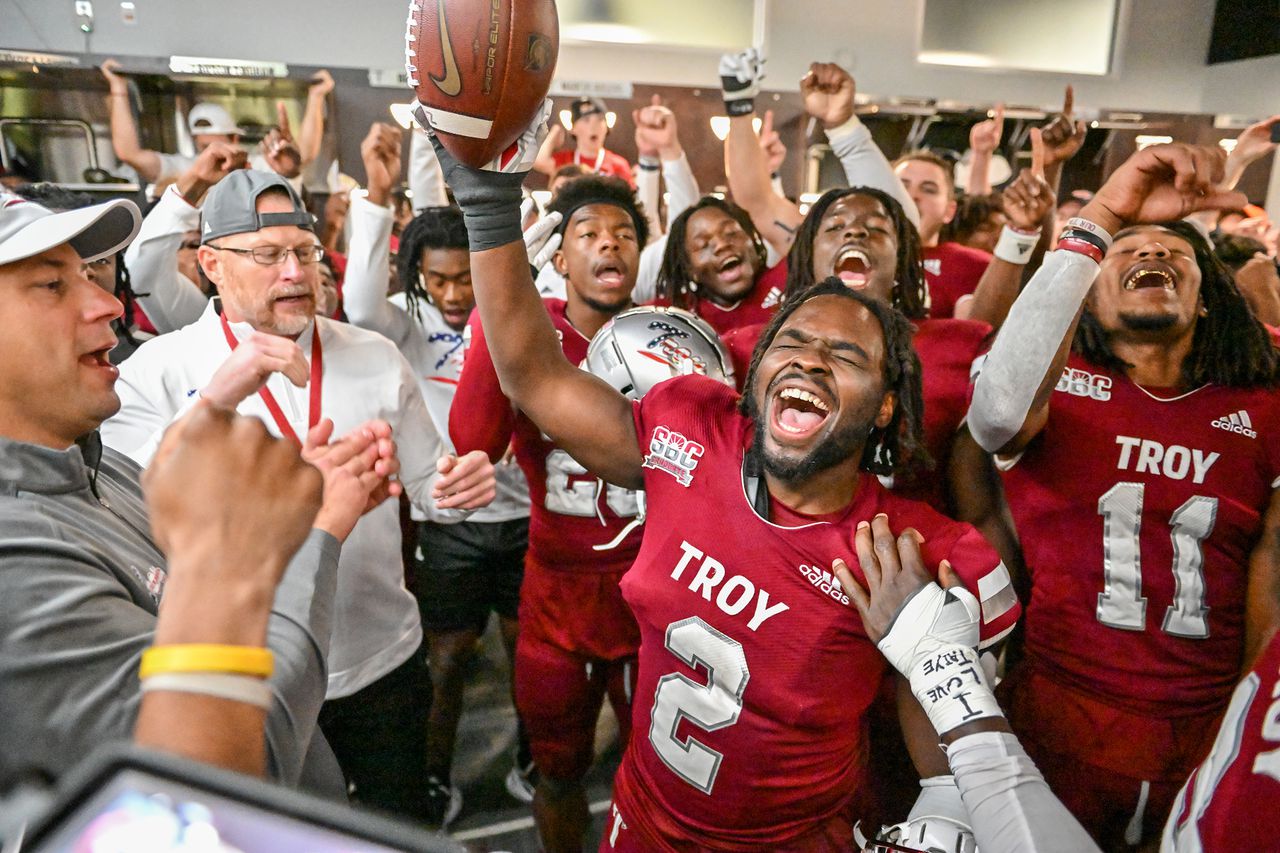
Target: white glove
[518,158]
[542,241]
[933,642]
[740,76]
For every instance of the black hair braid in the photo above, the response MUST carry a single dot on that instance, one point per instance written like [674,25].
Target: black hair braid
[889,449]
[910,294]
[676,274]
[1230,347]
[433,228]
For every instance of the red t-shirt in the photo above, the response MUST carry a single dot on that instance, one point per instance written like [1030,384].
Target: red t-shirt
[606,163]
[1223,805]
[947,349]
[1137,517]
[951,271]
[754,309]
[569,512]
[754,672]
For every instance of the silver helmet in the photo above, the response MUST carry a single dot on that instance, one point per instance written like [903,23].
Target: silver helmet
[644,346]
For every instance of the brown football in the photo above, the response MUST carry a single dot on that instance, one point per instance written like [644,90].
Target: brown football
[482,68]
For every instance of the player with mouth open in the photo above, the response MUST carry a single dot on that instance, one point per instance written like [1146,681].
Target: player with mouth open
[754,670]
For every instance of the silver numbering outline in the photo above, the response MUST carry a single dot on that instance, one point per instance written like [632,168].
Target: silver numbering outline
[711,706]
[1121,603]
[565,496]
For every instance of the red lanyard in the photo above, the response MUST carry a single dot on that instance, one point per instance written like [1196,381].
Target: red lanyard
[317,372]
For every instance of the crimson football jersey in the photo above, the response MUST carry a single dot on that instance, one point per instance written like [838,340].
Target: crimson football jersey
[754,670]
[1229,801]
[947,349]
[605,163]
[1137,510]
[754,309]
[951,271]
[570,510]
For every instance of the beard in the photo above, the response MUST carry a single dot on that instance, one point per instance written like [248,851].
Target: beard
[608,308]
[834,448]
[1148,322]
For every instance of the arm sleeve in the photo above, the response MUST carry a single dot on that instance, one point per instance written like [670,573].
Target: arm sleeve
[1011,807]
[682,186]
[646,289]
[482,417]
[73,640]
[419,447]
[364,286]
[426,180]
[648,186]
[865,164]
[170,299]
[1025,349]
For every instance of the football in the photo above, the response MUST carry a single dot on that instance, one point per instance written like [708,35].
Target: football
[481,68]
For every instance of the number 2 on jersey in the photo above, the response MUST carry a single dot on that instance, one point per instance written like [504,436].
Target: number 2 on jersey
[1121,603]
[710,707]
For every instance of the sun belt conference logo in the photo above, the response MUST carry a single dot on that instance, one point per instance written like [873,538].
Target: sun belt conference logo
[674,454]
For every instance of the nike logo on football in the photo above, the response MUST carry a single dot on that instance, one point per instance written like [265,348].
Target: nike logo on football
[451,83]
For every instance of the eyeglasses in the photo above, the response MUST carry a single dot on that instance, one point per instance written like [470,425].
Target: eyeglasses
[269,256]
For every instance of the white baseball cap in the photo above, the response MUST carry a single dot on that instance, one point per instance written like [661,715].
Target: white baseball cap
[27,229]
[211,118]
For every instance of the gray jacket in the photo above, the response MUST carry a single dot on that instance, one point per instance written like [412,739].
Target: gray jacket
[80,582]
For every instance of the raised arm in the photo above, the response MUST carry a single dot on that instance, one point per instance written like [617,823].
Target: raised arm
[984,139]
[1011,397]
[581,413]
[311,134]
[774,216]
[1027,203]
[364,290]
[124,131]
[829,92]
[1253,143]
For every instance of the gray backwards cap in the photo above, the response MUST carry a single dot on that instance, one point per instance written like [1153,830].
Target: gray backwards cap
[231,206]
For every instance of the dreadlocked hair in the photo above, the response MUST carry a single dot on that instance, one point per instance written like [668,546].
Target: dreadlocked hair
[972,212]
[892,448]
[599,189]
[1230,346]
[910,291]
[433,228]
[675,276]
[59,199]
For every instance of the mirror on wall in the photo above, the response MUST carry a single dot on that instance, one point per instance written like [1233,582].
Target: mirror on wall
[1023,35]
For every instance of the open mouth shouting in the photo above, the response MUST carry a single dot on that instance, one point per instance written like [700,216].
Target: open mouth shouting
[853,267]
[732,268]
[99,359]
[1149,275]
[797,413]
[611,273]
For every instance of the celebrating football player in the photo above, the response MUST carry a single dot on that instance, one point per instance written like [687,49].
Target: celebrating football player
[577,639]
[1146,503]
[754,672]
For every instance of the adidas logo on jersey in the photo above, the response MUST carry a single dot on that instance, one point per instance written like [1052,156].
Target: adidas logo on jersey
[1081,383]
[825,582]
[772,298]
[671,452]
[1237,422]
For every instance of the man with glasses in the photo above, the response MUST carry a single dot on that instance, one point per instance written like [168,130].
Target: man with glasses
[260,349]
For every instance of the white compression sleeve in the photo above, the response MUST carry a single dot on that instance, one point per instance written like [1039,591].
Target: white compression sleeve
[865,165]
[1011,808]
[1025,348]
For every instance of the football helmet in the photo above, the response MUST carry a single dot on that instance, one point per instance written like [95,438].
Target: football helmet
[644,346]
[932,834]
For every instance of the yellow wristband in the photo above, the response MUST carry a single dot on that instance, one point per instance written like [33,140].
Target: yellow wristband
[196,657]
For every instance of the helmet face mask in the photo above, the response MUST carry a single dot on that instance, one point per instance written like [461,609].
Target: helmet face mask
[644,346]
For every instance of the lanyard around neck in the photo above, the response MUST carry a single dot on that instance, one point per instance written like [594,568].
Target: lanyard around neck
[317,372]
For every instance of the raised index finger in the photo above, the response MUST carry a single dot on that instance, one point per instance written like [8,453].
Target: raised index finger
[1037,152]
[1069,101]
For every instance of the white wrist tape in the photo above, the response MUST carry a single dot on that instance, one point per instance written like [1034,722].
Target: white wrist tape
[933,642]
[237,688]
[1016,246]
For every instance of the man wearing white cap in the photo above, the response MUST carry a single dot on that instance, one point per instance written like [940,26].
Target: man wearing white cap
[84,568]
[208,123]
